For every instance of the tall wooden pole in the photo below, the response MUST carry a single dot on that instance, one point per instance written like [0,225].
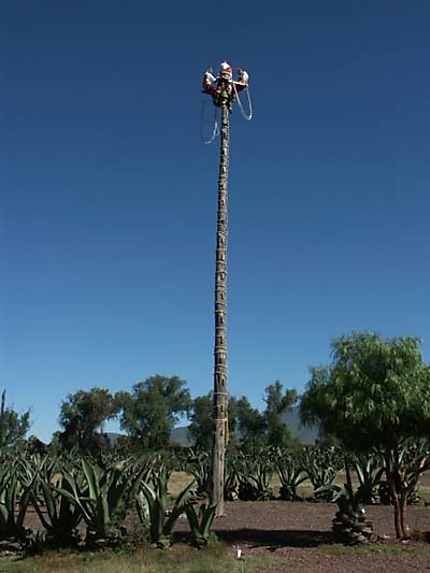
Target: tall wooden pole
[220,410]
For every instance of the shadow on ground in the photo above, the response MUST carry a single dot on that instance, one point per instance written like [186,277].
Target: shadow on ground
[272,539]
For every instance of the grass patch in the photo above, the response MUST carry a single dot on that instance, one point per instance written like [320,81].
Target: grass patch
[388,549]
[178,482]
[217,558]
[179,559]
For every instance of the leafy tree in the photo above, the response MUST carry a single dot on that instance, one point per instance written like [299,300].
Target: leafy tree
[249,429]
[13,426]
[277,403]
[35,446]
[245,424]
[82,416]
[150,411]
[250,425]
[200,429]
[374,394]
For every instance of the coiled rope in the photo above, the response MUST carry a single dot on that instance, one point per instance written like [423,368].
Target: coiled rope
[247,116]
[203,122]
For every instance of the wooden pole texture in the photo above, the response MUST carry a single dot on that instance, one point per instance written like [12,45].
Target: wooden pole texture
[220,410]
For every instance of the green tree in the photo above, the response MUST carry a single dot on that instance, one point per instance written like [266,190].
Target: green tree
[149,413]
[82,416]
[13,426]
[374,394]
[200,429]
[245,424]
[248,428]
[278,402]
[249,425]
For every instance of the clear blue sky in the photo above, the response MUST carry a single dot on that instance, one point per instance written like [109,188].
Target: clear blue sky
[108,195]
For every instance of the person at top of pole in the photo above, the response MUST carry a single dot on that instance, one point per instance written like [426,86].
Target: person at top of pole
[225,71]
[224,92]
[220,87]
[243,78]
[208,81]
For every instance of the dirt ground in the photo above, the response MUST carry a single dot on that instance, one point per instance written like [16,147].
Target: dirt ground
[298,536]
[278,536]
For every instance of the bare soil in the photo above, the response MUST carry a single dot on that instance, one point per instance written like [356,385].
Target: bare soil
[296,537]
[279,536]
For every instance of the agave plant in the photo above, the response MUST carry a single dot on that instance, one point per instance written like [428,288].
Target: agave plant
[231,481]
[16,483]
[58,513]
[254,477]
[200,521]
[291,475]
[321,466]
[405,468]
[99,493]
[152,504]
[199,466]
[351,525]
[369,471]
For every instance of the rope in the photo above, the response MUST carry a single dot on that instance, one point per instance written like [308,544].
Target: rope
[247,116]
[215,131]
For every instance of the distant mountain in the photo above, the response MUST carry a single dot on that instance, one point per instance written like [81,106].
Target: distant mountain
[292,420]
[180,436]
[307,435]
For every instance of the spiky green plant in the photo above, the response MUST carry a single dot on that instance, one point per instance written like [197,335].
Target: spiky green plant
[254,476]
[58,513]
[153,510]
[369,471]
[404,468]
[16,483]
[291,474]
[231,479]
[351,525]
[99,493]
[198,464]
[321,466]
[200,520]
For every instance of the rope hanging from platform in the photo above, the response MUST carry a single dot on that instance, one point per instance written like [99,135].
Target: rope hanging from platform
[203,121]
[247,116]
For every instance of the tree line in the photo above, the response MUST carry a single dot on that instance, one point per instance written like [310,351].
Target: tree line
[375,391]
[373,395]
[149,412]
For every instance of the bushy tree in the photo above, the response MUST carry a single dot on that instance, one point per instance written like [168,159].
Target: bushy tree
[249,429]
[200,429]
[278,402]
[13,426]
[374,394]
[82,416]
[149,412]
[245,423]
[249,425]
